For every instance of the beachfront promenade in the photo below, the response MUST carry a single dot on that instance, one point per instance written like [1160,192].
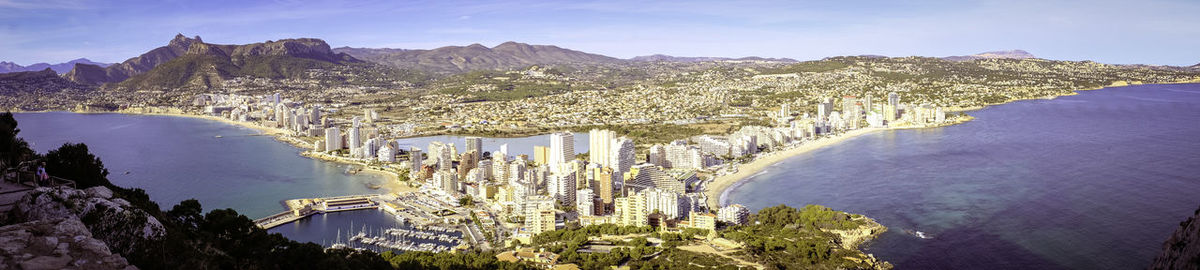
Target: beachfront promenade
[302,208]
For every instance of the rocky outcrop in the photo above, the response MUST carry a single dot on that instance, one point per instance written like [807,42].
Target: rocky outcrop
[63,243]
[110,219]
[852,238]
[1182,249]
[201,65]
[91,74]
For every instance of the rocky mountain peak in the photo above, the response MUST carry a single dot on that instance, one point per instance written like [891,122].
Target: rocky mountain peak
[183,42]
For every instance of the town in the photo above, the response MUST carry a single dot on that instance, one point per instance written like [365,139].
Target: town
[508,199]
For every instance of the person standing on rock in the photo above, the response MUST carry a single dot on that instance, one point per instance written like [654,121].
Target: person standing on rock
[42,176]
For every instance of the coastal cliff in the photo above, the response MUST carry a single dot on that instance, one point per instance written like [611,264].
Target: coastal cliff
[852,238]
[109,219]
[62,227]
[1182,249]
[55,244]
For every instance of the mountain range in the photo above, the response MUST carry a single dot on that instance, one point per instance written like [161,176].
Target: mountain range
[190,62]
[60,68]
[668,58]
[93,74]
[455,59]
[15,84]
[1012,54]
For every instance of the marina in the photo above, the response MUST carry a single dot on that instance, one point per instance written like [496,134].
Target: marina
[415,228]
[302,208]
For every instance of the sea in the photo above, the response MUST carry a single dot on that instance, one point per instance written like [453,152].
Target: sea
[1092,181]
[1097,180]
[229,166]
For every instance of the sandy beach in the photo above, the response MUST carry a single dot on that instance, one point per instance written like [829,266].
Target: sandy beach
[392,179]
[391,184]
[250,125]
[716,189]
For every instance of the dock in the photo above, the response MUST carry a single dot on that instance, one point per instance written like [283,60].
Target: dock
[302,208]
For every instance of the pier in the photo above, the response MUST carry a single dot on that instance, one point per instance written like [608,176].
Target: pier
[301,208]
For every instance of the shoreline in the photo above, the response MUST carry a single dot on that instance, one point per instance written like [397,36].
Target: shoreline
[391,180]
[390,183]
[718,189]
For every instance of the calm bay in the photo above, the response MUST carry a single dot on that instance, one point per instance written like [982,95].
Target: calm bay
[1091,181]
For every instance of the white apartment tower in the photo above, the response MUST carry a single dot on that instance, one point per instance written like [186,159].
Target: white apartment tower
[585,202]
[562,149]
[665,201]
[354,138]
[333,139]
[562,187]
[474,143]
[445,159]
[599,141]
[622,155]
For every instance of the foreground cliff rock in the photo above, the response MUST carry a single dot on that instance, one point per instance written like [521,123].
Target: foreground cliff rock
[109,219]
[1182,250]
[63,243]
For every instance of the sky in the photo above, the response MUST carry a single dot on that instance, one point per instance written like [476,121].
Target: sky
[1160,32]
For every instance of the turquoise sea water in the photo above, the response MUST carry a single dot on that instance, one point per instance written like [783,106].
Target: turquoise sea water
[175,159]
[1093,181]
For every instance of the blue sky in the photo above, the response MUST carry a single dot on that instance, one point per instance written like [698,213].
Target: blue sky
[1162,32]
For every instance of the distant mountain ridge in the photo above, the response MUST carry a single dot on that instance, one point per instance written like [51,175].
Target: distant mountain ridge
[95,75]
[60,68]
[455,59]
[668,58]
[1011,54]
[14,84]
[192,62]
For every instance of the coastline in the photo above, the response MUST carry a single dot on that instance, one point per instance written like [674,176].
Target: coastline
[717,190]
[391,182]
[267,131]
